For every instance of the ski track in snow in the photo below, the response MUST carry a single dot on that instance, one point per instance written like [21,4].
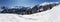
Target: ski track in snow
[52,15]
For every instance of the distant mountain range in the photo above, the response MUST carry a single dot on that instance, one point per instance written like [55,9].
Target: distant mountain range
[27,10]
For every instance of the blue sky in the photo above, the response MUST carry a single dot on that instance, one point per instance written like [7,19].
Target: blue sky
[23,2]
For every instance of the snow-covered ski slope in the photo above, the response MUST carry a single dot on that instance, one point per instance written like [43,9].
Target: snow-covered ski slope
[52,15]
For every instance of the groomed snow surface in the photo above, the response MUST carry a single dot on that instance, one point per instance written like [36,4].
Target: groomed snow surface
[52,15]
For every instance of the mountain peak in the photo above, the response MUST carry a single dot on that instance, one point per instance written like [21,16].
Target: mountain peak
[47,3]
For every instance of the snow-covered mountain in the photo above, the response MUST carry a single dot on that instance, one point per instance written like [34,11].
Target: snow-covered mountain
[27,10]
[52,15]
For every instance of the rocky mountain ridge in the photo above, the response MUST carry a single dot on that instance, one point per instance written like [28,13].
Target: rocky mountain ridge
[27,10]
